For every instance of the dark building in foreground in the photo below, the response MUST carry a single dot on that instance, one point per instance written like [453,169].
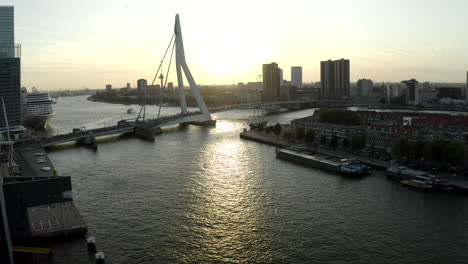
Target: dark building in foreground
[10,90]
[10,72]
[334,79]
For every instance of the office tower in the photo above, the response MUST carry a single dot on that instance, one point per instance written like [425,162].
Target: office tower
[342,82]
[364,87]
[395,90]
[327,79]
[271,82]
[10,72]
[296,76]
[334,78]
[108,87]
[281,76]
[141,85]
[412,92]
[7,31]
[170,86]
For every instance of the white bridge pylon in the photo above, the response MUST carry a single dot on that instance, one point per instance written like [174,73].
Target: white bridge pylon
[181,64]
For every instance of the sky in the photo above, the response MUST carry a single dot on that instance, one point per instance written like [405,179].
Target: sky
[73,44]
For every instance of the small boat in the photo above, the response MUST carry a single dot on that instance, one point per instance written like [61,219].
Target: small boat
[130,111]
[418,184]
[47,168]
[353,168]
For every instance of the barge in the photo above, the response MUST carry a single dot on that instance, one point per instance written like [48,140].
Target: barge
[328,163]
[417,179]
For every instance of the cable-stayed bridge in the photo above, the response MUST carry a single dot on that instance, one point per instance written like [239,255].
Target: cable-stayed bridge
[146,128]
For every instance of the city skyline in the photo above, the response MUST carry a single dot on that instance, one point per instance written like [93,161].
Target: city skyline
[122,41]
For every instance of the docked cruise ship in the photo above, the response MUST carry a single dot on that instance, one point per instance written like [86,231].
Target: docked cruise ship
[37,109]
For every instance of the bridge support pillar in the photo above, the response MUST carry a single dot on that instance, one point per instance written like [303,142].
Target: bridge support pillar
[202,123]
[89,142]
[146,132]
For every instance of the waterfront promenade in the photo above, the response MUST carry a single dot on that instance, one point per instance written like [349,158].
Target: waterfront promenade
[273,140]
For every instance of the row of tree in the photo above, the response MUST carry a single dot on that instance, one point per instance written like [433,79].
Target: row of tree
[276,129]
[309,135]
[439,150]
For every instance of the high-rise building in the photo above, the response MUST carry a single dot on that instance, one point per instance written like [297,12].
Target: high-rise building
[334,78]
[271,82]
[364,89]
[10,72]
[281,76]
[327,79]
[128,86]
[466,88]
[7,31]
[296,76]
[108,87]
[412,91]
[342,78]
[142,84]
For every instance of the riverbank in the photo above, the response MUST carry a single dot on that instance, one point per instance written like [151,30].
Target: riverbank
[272,140]
[281,143]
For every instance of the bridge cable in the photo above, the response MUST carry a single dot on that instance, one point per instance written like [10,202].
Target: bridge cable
[167,77]
[155,76]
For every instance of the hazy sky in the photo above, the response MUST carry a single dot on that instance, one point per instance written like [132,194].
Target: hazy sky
[78,43]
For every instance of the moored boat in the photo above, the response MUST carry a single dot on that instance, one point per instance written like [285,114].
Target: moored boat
[325,162]
[354,167]
[419,184]
[37,108]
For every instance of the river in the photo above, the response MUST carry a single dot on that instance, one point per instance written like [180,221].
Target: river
[203,195]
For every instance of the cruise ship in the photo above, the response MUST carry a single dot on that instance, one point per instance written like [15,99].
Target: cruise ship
[37,109]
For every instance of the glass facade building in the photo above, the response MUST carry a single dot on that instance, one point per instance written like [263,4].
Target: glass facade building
[10,71]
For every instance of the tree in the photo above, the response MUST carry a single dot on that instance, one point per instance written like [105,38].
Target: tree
[417,149]
[260,127]
[287,134]
[310,135]
[277,129]
[436,149]
[383,100]
[372,148]
[334,141]
[454,152]
[345,143]
[300,132]
[358,142]
[323,140]
[401,147]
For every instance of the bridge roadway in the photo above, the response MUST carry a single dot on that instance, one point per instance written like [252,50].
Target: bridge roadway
[130,126]
[289,105]
[119,129]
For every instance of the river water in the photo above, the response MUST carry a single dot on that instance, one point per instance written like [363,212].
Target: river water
[203,195]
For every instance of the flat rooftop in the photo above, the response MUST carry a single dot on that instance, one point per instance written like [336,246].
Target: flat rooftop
[55,220]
